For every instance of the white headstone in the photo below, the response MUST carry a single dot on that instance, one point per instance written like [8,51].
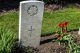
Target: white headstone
[79,32]
[30,22]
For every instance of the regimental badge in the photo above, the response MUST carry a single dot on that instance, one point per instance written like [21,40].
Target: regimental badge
[32,10]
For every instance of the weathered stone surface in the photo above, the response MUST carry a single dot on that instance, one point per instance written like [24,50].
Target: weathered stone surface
[31,13]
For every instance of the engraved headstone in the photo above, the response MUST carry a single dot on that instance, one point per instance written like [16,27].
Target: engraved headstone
[30,22]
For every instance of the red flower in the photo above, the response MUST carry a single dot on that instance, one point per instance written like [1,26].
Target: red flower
[64,31]
[59,37]
[65,24]
[61,25]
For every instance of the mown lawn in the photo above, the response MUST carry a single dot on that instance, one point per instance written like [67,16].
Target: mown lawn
[53,18]
[10,20]
[9,23]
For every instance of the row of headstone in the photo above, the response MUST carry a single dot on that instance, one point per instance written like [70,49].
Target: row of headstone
[30,22]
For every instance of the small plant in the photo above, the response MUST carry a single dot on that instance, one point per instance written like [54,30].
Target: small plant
[66,38]
[7,39]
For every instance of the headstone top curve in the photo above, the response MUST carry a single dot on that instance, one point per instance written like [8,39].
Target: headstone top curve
[30,1]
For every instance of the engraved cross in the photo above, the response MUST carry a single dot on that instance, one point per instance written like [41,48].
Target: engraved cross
[31,29]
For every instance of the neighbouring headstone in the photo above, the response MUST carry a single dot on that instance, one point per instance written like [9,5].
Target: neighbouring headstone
[30,22]
[79,32]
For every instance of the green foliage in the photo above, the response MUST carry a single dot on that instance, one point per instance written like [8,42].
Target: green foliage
[8,30]
[71,45]
[10,19]
[7,39]
[67,39]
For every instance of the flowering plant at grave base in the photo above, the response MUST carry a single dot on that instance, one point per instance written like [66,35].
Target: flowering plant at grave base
[64,37]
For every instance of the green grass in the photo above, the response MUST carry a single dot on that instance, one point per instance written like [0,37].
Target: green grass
[7,40]
[9,23]
[10,19]
[52,19]
[8,31]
